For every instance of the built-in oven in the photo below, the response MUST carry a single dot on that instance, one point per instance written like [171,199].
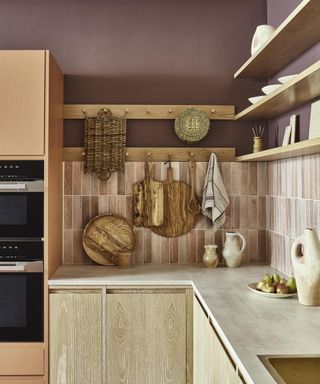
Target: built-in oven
[21,290]
[21,198]
[21,251]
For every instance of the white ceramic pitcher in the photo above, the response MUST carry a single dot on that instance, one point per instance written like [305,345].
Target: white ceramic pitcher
[233,251]
[305,257]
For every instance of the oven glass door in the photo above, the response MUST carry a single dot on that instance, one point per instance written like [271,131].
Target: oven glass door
[21,307]
[21,214]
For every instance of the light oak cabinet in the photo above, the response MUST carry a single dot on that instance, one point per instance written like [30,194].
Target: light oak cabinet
[75,337]
[22,102]
[131,336]
[211,362]
[146,338]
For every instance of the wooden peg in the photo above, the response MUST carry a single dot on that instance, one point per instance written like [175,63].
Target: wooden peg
[192,155]
[83,153]
[148,111]
[212,110]
[104,110]
[126,112]
[83,111]
[170,110]
[127,154]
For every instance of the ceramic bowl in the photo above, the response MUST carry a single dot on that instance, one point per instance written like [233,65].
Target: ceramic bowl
[270,88]
[285,79]
[255,99]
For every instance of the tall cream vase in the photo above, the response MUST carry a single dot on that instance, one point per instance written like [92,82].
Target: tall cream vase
[305,257]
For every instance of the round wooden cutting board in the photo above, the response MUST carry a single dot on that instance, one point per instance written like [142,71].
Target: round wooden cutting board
[105,236]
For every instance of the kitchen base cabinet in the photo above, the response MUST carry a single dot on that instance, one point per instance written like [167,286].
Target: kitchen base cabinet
[75,337]
[146,338]
[211,362]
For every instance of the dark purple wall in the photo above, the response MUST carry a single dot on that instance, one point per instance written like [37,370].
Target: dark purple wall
[277,12]
[144,51]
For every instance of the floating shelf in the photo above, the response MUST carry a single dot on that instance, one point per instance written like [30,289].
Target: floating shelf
[302,89]
[306,147]
[214,112]
[161,154]
[294,36]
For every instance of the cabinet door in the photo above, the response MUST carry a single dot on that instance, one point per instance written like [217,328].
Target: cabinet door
[22,102]
[75,338]
[211,363]
[146,338]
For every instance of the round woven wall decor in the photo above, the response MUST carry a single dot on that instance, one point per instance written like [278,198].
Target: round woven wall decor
[191,125]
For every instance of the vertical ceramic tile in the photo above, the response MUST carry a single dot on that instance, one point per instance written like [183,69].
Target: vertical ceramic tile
[129,177]
[219,241]
[244,178]
[93,206]
[201,222]
[76,178]
[102,205]
[67,212]
[253,212]
[94,184]
[183,249]
[252,180]
[201,170]
[209,237]
[67,246]
[313,177]
[147,245]
[235,202]
[244,212]
[192,246]
[156,170]
[235,178]
[253,249]
[85,207]
[67,174]
[228,213]
[77,247]
[129,208]
[262,246]
[174,250]
[103,187]
[121,202]
[262,178]
[226,176]
[164,250]
[138,171]
[112,184]
[140,247]
[261,212]
[76,212]
[121,185]
[112,204]
[85,181]
[155,248]
[200,246]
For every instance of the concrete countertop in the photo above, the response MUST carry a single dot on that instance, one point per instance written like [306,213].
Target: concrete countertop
[248,324]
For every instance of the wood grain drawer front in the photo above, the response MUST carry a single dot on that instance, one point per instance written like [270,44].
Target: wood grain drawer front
[146,338]
[16,361]
[75,347]
[22,100]
[22,380]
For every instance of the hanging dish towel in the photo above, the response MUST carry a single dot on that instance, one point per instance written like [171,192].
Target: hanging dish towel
[215,199]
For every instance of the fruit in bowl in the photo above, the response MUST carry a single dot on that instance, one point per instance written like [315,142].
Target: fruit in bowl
[277,284]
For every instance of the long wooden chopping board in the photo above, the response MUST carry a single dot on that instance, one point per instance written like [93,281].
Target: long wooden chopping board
[177,218]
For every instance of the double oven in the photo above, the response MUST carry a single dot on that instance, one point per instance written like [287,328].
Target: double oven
[21,251]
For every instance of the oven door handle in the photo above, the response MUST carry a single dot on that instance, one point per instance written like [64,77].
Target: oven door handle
[26,267]
[15,186]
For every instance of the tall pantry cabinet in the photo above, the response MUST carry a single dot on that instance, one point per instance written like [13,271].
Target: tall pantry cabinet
[31,128]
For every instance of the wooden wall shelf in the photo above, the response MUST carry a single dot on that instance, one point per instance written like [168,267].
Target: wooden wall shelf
[306,147]
[295,35]
[302,89]
[161,154]
[214,112]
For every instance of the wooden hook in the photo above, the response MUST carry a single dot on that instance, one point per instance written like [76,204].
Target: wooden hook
[148,156]
[212,110]
[83,154]
[84,111]
[170,110]
[148,111]
[104,110]
[126,111]
[192,155]
[127,154]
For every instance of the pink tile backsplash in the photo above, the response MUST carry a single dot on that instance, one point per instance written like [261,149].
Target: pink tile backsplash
[85,197]
[292,204]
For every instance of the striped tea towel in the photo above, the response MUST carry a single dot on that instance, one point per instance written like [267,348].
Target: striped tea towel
[215,199]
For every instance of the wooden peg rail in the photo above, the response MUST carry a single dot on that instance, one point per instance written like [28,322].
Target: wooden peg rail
[214,112]
[161,154]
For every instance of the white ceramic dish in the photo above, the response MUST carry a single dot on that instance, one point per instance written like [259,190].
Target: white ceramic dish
[255,99]
[270,88]
[252,288]
[285,79]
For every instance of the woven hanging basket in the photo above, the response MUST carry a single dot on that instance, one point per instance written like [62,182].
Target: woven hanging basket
[105,144]
[191,125]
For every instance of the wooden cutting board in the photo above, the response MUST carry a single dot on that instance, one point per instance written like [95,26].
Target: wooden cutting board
[148,201]
[177,218]
[107,236]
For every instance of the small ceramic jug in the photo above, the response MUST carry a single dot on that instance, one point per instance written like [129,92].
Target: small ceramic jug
[210,257]
[233,251]
[261,35]
[305,257]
